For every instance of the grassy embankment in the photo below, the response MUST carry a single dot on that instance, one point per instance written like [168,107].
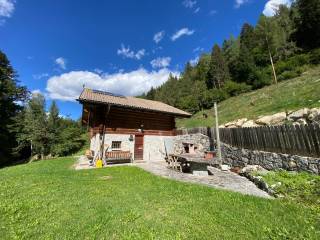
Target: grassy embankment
[50,200]
[293,94]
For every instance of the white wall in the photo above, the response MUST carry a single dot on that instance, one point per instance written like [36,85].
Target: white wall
[153,146]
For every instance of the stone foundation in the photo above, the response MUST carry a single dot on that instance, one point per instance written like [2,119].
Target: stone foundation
[271,161]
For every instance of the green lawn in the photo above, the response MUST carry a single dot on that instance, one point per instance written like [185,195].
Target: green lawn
[302,188]
[293,94]
[50,200]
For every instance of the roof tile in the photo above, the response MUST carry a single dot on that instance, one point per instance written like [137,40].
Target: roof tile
[90,95]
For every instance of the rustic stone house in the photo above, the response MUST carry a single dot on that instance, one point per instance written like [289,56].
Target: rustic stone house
[119,123]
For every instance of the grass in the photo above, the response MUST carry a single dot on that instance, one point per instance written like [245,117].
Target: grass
[302,188]
[300,92]
[50,200]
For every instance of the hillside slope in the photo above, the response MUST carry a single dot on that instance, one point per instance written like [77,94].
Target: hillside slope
[293,94]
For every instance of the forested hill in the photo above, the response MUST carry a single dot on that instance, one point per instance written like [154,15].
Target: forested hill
[290,39]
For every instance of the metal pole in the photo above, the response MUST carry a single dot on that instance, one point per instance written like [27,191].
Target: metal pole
[217,133]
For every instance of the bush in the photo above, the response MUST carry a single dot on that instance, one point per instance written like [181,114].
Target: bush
[315,56]
[234,89]
[214,95]
[292,63]
[287,75]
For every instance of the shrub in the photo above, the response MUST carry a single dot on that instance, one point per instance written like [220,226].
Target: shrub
[315,56]
[234,89]
[287,75]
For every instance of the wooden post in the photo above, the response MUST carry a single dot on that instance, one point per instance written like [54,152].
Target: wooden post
[104,132]
[217,133]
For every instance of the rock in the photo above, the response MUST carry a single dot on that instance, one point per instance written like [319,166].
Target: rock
[274,119]
[314,115]
[301,121]
[276,185]
[249,123]
[292,165]
[240,122]
[252,168]
[225,167]
[230,124]
[302,113]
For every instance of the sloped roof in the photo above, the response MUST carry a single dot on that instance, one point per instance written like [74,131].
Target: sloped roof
[95,96]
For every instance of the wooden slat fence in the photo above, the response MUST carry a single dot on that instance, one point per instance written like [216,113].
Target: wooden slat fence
[301,140]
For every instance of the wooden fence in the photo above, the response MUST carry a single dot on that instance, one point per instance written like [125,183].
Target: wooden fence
[301,140]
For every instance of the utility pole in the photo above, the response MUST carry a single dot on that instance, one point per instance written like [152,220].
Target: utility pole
[270,55]
[217,133]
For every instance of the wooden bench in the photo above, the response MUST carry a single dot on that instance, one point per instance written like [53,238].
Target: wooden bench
[118,157]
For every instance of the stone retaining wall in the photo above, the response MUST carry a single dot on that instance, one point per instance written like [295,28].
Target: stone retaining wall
[271,161]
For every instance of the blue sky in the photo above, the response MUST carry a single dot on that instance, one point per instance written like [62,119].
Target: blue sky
[119,46]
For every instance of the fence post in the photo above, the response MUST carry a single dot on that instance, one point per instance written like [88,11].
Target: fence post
[217,133]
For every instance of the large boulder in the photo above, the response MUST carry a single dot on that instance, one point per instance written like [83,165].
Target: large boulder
[249,124]
[302,113]
[314,115]
[274,119]
[236,123]
[240,122]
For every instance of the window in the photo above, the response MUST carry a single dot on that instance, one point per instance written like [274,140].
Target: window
[116,145]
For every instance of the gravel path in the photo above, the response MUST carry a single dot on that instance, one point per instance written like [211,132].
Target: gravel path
[220,179]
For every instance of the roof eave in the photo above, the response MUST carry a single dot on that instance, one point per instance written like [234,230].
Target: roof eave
[141,109]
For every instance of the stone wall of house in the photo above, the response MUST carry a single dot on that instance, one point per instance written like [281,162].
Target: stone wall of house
[271,161]
[200,141]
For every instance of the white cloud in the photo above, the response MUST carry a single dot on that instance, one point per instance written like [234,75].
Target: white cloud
[68,86]
[189,3]
[126,52]
[98,70]
[273,5]
[194,61]
[61,62]
[213,12]
[6,10]
[239,3]
[196,10]
[40,75]
[181,32]
[161,62]
[36,92]
[198,49]
[158,36]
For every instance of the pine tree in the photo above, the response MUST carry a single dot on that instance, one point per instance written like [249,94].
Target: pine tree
[53,125]
[218,72]
[10,94]
[35,126]
[231,51]
[307,23]
[246,65]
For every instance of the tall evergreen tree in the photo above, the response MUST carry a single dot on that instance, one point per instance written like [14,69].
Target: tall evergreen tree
[10,94]
[218,72]
[308,23]
[246,65]
[35,129]
[53,125]
[231,50]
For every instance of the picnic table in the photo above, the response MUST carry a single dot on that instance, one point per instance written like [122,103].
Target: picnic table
[183,162]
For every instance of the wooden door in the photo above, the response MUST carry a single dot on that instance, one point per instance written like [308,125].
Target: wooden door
[138,147]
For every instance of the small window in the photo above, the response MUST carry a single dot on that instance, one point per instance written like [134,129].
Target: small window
[116,145]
